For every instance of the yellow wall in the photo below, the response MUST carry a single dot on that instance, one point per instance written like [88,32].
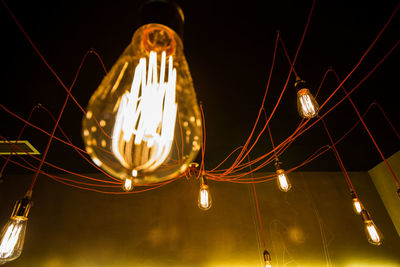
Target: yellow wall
[386,187]
[312,225]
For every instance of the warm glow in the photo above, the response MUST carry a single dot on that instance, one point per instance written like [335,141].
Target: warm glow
[283,182]
[357,205]
[204,198]
[128,185]
[372,231]
[12,239]
[146,116]
[9,240]
[307,106]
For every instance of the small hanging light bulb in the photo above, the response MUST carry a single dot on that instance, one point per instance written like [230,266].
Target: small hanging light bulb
[128,185]
[267,259]
[13,234]
[374,236]
[306,104]
[357,206]
[204,200]
[281,178]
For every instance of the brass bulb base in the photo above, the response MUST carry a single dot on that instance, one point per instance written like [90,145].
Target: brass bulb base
[21,209]
[165,12]
[365,216]
[267,256]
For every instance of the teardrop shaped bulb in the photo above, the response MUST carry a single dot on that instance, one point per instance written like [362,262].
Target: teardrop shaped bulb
[306,104]
[283,181]
[144,117]
[372,232]
[12,239]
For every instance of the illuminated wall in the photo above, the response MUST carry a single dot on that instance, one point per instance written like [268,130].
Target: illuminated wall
[385,185]
[311,225]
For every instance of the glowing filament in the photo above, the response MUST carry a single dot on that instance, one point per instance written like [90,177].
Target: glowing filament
[204,198]
[10,239]
[373,233]
[128,185]
[283,182]
[145,122]
[357,206]
[307,105]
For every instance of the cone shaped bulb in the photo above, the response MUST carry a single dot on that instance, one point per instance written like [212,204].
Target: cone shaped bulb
[143,121]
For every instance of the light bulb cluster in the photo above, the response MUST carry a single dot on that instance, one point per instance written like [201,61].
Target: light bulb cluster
[372,232]
[13,233]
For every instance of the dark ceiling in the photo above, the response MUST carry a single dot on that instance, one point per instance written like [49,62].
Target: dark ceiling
[229,47]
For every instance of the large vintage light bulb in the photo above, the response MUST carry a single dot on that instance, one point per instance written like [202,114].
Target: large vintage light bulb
[374,236]
[144,118]
[267,259]
[204,199]
[13,233]
[357,206]
[306,104]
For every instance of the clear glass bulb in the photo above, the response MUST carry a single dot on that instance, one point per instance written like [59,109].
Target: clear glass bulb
[128,185]
[374,236]
[283,181]
[12,239]
[204,201]
[357,206]
[143,121]
[306,104]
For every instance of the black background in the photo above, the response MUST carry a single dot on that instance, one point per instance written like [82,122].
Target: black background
[229,47]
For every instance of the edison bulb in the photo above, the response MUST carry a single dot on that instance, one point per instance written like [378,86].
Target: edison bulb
[307,106]
[204,199]
[128,185]
[357,206]
[374,236]
[144,118]
[283,181]
[13,233]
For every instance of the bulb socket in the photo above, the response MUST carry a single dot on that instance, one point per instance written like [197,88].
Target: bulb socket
[165,12]
[365,216]
[299,84]
[267,256]
[21,209]
[203,182]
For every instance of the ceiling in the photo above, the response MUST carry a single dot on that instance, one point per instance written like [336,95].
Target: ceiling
[229,46]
